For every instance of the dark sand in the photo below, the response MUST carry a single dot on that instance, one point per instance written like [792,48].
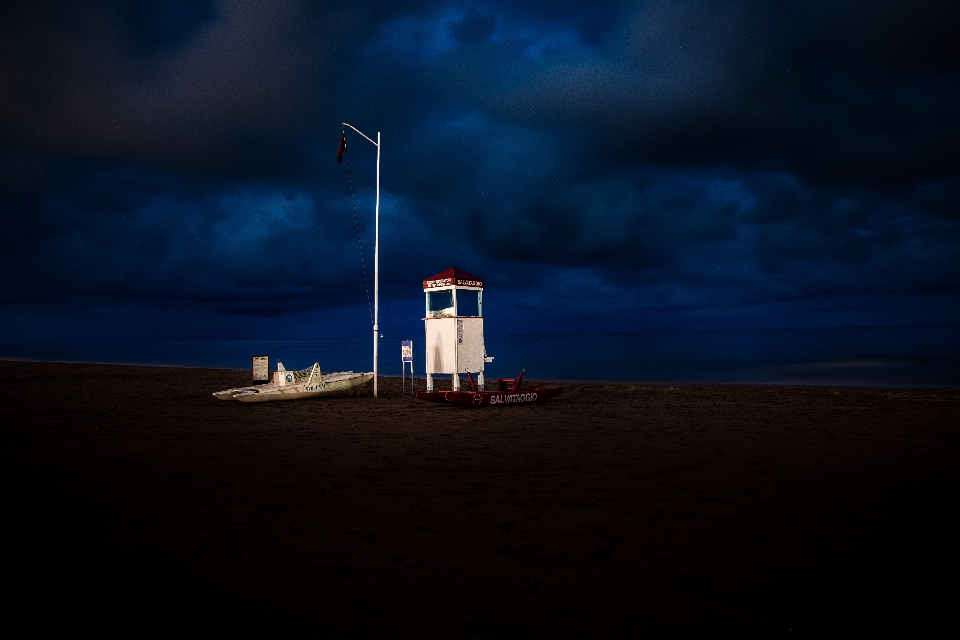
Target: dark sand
[136,504]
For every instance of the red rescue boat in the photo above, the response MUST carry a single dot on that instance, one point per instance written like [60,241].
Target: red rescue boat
[510,392]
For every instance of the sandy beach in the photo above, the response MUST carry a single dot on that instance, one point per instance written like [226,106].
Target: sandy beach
[137,504]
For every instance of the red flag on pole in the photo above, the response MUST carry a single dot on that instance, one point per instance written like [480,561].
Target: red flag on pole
[342,148]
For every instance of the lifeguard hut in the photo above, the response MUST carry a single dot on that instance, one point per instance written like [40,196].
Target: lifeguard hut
[454,326]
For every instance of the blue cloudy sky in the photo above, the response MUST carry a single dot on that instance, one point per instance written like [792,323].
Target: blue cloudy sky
[168,170]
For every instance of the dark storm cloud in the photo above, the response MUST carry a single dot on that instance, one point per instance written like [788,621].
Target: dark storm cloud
[202,87]
[853,105]
[162,24]
[474,27]
[846,91]
[680,157]
[130,234]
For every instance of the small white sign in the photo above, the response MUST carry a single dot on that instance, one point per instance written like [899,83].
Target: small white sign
[261,368]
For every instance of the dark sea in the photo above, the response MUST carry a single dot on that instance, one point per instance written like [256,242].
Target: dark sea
[857,356]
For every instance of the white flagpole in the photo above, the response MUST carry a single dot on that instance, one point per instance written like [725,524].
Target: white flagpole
[376,277]
[376,263]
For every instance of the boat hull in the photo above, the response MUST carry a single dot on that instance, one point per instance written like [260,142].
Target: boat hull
[307,391]
[432,396]
[333,384]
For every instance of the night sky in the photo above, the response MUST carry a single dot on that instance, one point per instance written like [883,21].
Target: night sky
[168,168]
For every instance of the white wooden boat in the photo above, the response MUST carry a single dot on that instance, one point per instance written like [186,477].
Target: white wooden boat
[297,385]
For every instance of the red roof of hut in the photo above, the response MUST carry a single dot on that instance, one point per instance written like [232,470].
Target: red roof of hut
[453,277]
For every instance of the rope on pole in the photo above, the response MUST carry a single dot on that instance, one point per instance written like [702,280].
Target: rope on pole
[356,219]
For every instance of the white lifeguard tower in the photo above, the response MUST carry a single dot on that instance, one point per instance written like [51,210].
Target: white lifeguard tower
[454,326]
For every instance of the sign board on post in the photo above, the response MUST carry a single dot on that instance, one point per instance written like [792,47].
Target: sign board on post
[261,369]
[406,355]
